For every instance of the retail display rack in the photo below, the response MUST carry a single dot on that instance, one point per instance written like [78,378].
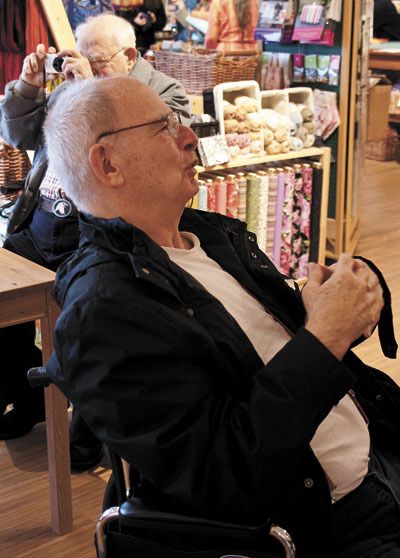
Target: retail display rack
[322,155]
[351,43]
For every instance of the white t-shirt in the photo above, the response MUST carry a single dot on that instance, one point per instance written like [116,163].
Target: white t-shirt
[341,442]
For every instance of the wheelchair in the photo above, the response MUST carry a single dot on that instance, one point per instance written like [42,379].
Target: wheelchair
[131,527]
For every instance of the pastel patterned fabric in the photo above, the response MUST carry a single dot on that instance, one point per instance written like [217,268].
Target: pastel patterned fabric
[278,206]
[286,232]
[271,213]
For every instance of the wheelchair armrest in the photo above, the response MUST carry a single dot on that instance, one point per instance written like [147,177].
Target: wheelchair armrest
[135,511]
[39,377]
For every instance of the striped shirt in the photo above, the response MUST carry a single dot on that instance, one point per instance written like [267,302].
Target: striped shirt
[50,186]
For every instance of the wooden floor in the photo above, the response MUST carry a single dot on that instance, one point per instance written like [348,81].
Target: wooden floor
[24,495]
[380,241]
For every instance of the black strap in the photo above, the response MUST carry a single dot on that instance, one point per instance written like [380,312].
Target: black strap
[27,202]
[385,324]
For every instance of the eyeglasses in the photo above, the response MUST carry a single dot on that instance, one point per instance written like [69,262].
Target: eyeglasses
[100,63]
[172,120]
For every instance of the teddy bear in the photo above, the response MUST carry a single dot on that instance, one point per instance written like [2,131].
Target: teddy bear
[244,141]
[285,147]
[268,136]
[232,139]
[295,143]
[255,146]
[274,148]
[231,126]
[229,111]
[244,127]
[307,114]
[241,114]
[247,102]
[255,136]
[281,134]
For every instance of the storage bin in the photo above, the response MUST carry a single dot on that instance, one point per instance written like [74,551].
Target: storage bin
[205,68]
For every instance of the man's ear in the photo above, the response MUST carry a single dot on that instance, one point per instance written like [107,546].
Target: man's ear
[131,54]
[102,166]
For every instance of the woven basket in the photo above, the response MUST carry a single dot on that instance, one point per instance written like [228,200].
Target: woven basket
[382,150]
[14,164]
[205,68]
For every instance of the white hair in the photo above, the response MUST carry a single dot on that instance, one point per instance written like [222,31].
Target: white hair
[114,31]
[78,116]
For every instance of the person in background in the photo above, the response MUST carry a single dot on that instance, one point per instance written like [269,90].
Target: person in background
[387,26]
[44,226]
[147,18]
[386,20]
[231,25]
[188,353]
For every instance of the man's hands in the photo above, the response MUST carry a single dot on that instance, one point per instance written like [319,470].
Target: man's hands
[342,302]
[32,67]
[75,65]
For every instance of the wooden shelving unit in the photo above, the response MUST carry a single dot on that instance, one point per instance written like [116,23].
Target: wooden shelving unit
[247,161]
[323,155]
[343,212]
[343,231]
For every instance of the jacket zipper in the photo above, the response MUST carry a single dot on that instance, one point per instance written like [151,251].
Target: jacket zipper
[357,404]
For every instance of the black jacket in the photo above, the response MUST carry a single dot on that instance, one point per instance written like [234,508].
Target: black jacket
[145,33]
[165,376]
[386,20]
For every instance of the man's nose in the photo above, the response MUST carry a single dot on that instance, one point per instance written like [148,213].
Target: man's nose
[186,138]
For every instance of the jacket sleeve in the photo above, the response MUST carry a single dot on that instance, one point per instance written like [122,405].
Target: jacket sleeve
[172,93]
[22,112]
[144,377]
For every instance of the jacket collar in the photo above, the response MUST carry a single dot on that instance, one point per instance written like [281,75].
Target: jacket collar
[142,70]
[117,235]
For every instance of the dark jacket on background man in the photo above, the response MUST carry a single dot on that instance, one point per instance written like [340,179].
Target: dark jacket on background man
[164,375]
[386,20]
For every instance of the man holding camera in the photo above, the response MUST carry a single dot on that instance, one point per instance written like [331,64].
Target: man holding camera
[44,226]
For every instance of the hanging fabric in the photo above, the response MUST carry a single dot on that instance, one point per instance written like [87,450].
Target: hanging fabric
[37,30]
[12,25]
[12,39]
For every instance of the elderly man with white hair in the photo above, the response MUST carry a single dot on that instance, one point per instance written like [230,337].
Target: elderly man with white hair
[44,225]
[188,354]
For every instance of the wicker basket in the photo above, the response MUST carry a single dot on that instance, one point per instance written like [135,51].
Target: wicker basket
[383,150]
[14,164]
[205,68]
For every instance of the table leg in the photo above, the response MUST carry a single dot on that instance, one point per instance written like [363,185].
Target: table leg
[57,436]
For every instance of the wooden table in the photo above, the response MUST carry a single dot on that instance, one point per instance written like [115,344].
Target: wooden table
[385,56]
[25,295]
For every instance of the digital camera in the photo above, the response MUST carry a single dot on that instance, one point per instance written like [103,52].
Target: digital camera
[53,64]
